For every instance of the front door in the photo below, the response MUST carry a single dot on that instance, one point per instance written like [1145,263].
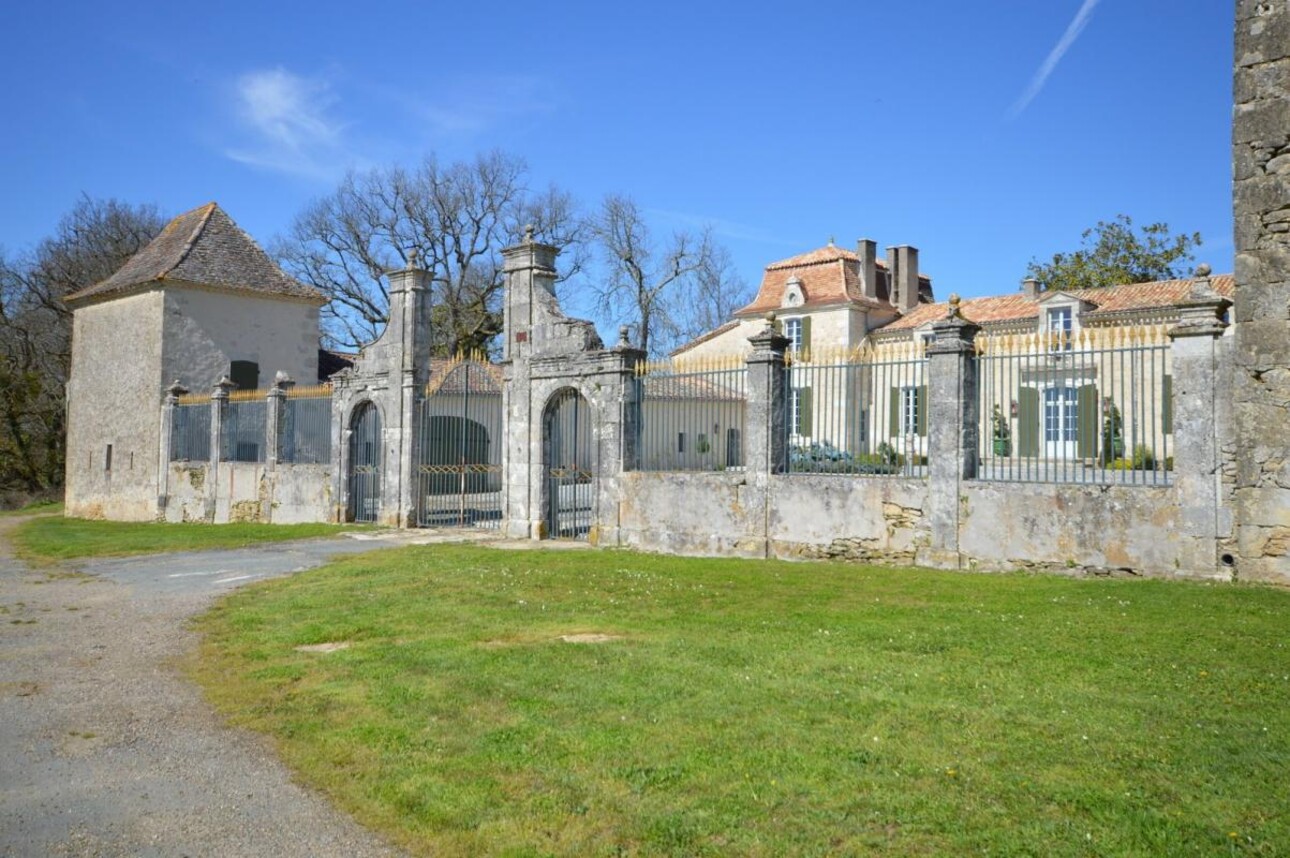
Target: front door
[570,478]
[1061,422]
[365,464]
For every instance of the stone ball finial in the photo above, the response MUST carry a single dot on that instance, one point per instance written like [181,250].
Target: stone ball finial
[623,331]
[413,256]
[769,317]
[1203,269]
[955,301]
[529,230]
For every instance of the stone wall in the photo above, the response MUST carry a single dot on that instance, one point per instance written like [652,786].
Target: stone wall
[114,398]
[247,491]
[1261,206]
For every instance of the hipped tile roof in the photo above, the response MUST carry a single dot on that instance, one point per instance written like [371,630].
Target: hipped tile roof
[830,275]
[1127,298]
[205,247]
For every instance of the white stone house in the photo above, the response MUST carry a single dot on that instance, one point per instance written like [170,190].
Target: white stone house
[200,302]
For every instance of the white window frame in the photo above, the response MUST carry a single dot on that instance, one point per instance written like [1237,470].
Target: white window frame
[795,412]
[1060,322]
[793,330]
[909,410]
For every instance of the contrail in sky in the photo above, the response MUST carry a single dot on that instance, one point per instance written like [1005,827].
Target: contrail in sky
[1059,50]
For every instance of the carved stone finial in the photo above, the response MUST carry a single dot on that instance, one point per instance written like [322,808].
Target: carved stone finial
[954,310]
[413,256]
[623,331]
[770,318]
[529,229]
[176,389]
[1203,269]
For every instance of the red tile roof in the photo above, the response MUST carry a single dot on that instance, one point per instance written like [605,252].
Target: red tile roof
[1126,298]
[830,275]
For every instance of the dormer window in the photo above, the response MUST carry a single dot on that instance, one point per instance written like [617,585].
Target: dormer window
[1059,322]
[794,296]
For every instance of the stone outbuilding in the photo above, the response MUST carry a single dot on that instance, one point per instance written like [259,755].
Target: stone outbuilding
[202,301]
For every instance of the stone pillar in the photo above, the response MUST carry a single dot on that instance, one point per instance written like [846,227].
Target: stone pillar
[952,427]
[1261,209]
[273,418]
[1197,384]
[219,404]
[169,402]
[409,362]
[766,447]
[616,400]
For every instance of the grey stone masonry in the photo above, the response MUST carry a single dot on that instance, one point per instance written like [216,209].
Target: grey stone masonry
[766,448]
[273,417]
[1197,370]
[1261,209]
[952,430]
[390,373]
[168,403]
[219,409]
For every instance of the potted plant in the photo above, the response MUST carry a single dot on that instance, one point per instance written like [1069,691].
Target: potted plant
[1002,433]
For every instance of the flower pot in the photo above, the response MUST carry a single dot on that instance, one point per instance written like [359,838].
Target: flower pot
[1002,447]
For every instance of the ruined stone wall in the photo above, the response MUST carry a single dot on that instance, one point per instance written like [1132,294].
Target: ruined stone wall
[1261,206]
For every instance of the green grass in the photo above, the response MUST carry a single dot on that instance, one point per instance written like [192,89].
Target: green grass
[755,708]
[58,538]
[46,507]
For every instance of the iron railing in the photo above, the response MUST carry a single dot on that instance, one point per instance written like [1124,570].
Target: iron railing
[861,411]
[190,431]
[243,431]
[692,414]
[1095,406]
[305,435]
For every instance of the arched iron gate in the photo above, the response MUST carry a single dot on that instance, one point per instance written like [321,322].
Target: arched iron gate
[459,470]
[365,463]
[569,466]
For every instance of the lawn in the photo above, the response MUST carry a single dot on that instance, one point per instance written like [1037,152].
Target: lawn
[58,538]
[46,507]
[764,708]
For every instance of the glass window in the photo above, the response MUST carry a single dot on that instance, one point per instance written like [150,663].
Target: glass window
[909,410]
[793,330]
[1060,323]
[795,414]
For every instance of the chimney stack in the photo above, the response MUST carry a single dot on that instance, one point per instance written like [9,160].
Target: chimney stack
[867,250]
[1030,288]
[906,277]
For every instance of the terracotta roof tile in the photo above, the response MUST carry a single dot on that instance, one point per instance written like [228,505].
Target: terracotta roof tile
[830,276]
[203,246]
[1130,297]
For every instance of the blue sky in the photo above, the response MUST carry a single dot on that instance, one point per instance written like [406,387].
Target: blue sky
[983,133]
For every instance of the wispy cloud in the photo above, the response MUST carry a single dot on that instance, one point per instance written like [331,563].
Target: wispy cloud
[475,103]
[724,228]
[1073,31]
[290,123]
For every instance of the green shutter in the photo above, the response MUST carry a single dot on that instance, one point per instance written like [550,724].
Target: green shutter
[807,412]
[1028,422]
[1167,405]
[806,334]
[893,424]
[1086,422]
[920,410]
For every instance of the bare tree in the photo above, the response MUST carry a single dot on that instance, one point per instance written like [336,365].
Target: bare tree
[668,291]
[91,242]
[457,217]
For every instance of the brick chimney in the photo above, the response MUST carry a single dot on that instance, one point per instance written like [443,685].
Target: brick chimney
[905,276]
[867,250]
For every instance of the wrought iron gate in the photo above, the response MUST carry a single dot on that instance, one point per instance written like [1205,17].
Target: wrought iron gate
[568,462]
[365,463]
[459,471]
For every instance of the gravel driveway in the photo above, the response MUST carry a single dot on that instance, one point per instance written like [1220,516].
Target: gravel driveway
[106,750]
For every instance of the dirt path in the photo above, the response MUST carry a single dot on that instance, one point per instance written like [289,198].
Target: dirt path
[106,750]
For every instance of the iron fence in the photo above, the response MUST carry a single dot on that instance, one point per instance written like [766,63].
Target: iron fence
[244,428]
[1095,406]
[305,436]
[860,411]
[190,431]
[692,414]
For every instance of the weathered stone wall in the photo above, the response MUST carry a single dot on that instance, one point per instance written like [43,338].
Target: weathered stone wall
[847,518]
[247,491]
[114,397]
[703,513]
[206,330]
[1261,206]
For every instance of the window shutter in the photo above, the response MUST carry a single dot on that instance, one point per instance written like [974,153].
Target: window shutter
[806,334]
[920,407]
[1167,404]
[807,412]
[893,427]
[1086,422]
[1027,422]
